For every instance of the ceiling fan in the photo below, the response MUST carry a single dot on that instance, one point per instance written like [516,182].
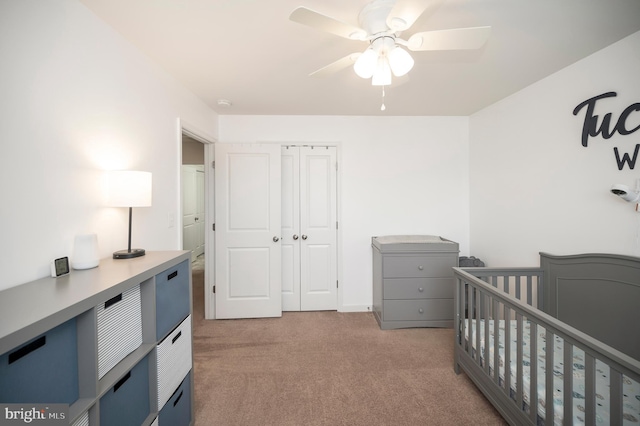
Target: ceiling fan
[381,24]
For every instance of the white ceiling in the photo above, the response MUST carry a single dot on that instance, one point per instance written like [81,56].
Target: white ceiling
[247,51]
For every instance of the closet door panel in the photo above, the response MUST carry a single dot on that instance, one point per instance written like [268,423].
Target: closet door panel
[318,222]
[290,228]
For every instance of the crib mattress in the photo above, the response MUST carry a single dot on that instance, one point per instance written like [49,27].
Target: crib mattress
[631,388]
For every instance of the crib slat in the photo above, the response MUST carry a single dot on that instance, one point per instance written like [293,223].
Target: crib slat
[507,351]
[529,290]
[519,372]
[487,345]
[478,309]
[548,378]
[461,321]
[590,389]
[469,307]
[615,397]
[533,372]
[567,381]
[496,344]
[518,279]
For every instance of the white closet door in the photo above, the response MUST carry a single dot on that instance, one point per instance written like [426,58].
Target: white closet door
[318,223]
[248,228]
[290,228]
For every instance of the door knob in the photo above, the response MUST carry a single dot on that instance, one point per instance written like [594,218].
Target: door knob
[295,236]
[276,239]
[304,237]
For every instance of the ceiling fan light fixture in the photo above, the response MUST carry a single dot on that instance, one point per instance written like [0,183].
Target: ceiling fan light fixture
[382,74]
[365,65]
[400,61]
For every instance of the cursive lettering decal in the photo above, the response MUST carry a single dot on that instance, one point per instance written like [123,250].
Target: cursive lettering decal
[590,127]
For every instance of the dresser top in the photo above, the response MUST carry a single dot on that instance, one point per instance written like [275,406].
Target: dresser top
[402,243]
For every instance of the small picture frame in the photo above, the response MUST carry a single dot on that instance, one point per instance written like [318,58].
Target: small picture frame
[59,267]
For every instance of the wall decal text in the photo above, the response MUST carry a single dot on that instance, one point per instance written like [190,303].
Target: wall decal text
[621,126]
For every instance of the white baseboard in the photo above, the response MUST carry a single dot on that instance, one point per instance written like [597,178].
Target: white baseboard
[355,308]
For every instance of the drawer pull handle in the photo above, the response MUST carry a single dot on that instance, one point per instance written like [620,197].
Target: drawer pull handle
[177,399]
[121,381]
[172,275]
[112,301]
[420,289]
[421,267]
[27,349]
[421,310]
[176,338]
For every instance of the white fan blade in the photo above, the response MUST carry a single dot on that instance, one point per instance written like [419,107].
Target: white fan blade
[316,20]
[455,39]
[336,66]
[406,12]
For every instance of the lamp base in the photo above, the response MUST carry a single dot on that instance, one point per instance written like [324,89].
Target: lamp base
[128,254]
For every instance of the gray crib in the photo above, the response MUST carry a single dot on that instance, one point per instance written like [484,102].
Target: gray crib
[570,328]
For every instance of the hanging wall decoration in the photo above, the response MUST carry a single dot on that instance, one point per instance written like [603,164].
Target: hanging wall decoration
[609,127]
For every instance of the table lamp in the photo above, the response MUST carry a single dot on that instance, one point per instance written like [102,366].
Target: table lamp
[129,189]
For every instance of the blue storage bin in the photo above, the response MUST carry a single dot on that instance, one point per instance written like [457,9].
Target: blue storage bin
[43,370]
[172,298]
[177,410]
[127,402]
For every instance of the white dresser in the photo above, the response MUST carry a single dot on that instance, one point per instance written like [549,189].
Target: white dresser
[413,281]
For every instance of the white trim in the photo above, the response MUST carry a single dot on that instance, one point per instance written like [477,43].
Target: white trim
[185,128]
[355,308]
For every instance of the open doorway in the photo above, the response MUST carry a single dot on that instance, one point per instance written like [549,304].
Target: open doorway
[193,215]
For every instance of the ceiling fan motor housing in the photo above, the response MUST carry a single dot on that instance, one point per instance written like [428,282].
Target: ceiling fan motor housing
[373,18]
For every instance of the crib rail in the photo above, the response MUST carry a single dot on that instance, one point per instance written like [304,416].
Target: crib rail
[485,297]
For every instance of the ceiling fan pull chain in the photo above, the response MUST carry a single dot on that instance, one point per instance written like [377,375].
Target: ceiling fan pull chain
[382,108]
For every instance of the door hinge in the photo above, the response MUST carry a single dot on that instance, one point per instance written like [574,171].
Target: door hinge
[213,164]
[336,224]
[213,226]
[214,289]
[337,284]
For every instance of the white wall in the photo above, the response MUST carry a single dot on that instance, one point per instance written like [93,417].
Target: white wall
[399,175]
[76,100]
[534,187]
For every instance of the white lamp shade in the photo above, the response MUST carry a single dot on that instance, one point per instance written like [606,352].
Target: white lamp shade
[400,61]
[129,189]
[366,64]
[382,75]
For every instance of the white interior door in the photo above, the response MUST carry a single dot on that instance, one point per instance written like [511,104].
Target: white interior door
[318,227]
[189,202]
[200,214]
[309,221]
[248,228]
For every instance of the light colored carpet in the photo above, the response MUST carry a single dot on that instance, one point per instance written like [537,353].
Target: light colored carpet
[328,368]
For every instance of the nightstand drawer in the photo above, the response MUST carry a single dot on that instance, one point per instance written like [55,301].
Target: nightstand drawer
[417,266]
[418,288]
[418,310]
